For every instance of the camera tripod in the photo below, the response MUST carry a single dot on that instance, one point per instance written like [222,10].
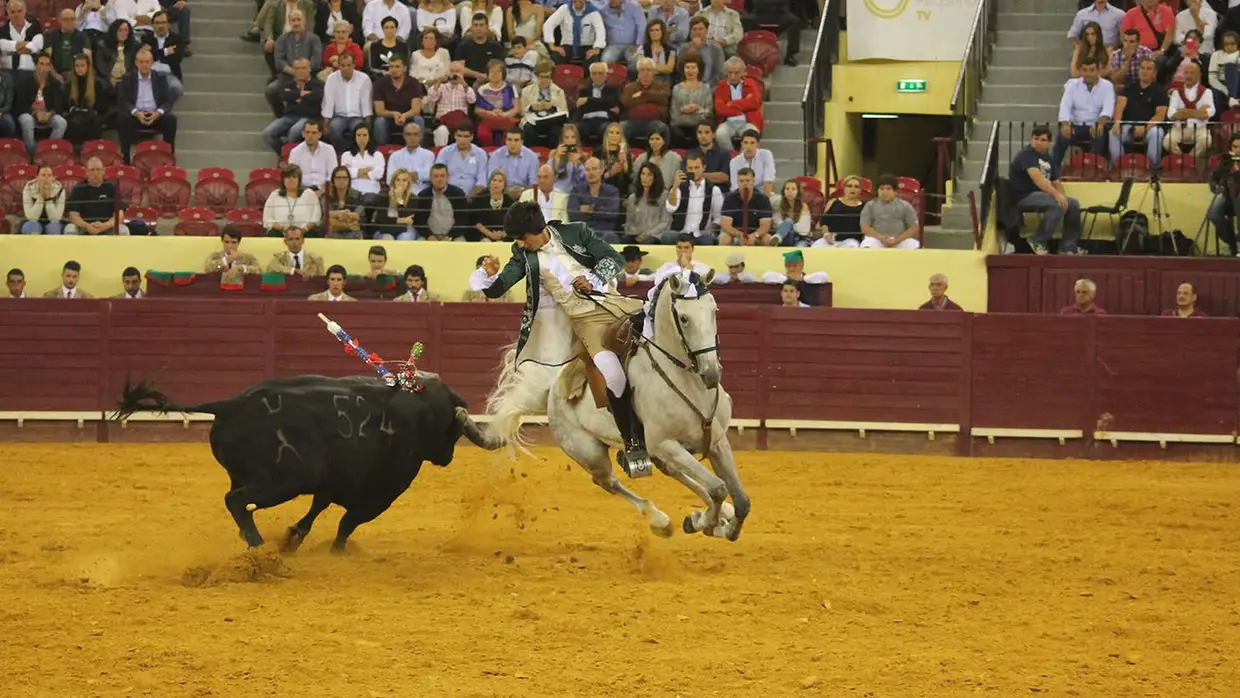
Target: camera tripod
[1158,212]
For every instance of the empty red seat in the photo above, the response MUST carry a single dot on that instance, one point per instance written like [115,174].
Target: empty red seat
[1086,167]
[1133,165]
[1180,167]
[5,227]
[617,75]
[249,220]
[387,150]
[168,194]
[168,171]
[69,175]
[217,190]
[141,213]
[151,154]
[570,78]
[108,152]
[54,151]
[760,48]
[196,220]
[262,183]
[15,179]
[130,182]
[808,183]
[282,161]
[13,152]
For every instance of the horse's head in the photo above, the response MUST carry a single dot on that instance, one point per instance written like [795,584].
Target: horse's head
[692,312]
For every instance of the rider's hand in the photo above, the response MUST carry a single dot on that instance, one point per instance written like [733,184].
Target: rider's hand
[582,284]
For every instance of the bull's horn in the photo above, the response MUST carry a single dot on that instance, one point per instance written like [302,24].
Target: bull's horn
[475,434]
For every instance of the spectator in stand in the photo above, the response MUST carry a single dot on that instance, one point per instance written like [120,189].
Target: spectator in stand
[229,261]
[300,102]
[695,203]
[520,63]
[497,107]
[624,22]
[544,108]
[475,53]
[295,258]
[746,215]
[439,15]
[758,160]
[1090,46]
[415,160]
[70,273]
[1189,52]
[1083,291]
[889,221]
[655,48]
[790,217]
[340,44]
[938,295]
[777,13]
[167,50]
[634,272]
[1192,105]
[137,12]
[377,11]
[1034,185]
[398,99]
[554,203]
[488,216]
[335,286]
[297,42]
[493,13]
[22,39]
[43,202]
[1225,63]
[292,206]
[1196,15]
[1085,112]
[131,283]
[144,101]
[327,20]
[794,271]
[430,64]
[1139,114]
[1185,303]
[466,163]
[116,54]
[790,296]
[1155,22]
[738,103]
[675,20]
[442,212]
[524,21]
[451,100]
[417,290]
[365,169]
[393,218]
[65,42]
[1105,15]
[348,99]
[343,204]
[518,163]
[15,281]
[683,263]
[376,260]
[1225,183]
[39,104]
[83,103]
[646,216]
[718,160]
[840,225]
[669,162]
[598,104]
[596,203]
[710,54]
[723,27]
[92,204]
[693,104]
[582,33]
[617,160]
[567,158]
[93,18]
[8,90]
[645,102]
[1126,62]
[315,159]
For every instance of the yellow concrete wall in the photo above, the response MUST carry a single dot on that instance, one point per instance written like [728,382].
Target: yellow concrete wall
[870,86]
[861,278]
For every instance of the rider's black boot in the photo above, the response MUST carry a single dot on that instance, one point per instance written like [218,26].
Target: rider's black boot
[633,458]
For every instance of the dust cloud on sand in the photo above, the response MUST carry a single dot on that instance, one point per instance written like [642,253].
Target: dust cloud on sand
[123,574]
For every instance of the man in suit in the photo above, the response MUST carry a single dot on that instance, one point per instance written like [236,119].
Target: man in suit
[295,259]
[335,286]
[229,262]
[144,101]
[15,281]
[69,275]
[132,281]
[167,50]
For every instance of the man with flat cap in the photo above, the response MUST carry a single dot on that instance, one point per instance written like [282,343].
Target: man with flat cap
[794,270]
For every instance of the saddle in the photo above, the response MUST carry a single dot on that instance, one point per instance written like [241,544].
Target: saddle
[621,338]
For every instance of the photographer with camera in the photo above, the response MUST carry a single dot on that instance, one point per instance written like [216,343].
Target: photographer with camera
[1225,183]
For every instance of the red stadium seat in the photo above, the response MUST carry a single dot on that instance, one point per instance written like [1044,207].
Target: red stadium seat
[169,171]
[14,181]
[168,194]
[387,150]
[54,151]
[262,183]
[130,182]
[542,152]
[141,213]
[1135,165]
[760,48]
[217,190]
[617,75]
[1086,167]
[151,154]
[1179,167]
[282,160]
[814,199]
[569,77]
[69,175]
[5,227]
[196,221]
[249,220]
[13,152]
[1228,123]
[808,183]
[108,152]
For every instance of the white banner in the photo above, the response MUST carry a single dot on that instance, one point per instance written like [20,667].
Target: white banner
[909,30]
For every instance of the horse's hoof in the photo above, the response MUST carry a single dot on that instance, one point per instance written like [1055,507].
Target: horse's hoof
[689,524]
[734,531]
[664,531]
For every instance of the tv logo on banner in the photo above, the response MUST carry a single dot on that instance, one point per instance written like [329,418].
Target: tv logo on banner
[909,30]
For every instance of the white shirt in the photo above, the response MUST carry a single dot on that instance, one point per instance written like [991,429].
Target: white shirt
[67,292]
[375,12]
[693,210]
[316,167]
[558,264]
[285,211]
[370,183]
[351,97]
[8,46]
[424,69]
[1205,102]
[554,207]
[593,33]
[131,10]
[96,19]
[1184,23]
[817,277]
[726,277]
[135,296]
[332,298]
[442,22]
[762,164]
[671,268]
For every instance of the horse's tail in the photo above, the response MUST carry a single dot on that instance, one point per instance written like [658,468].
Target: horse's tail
[518,392]
[144,397]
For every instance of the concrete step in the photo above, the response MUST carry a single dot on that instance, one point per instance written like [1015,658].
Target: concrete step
[1032,21]
[1010,94]
[787,93]
[228,44]
[223,28]
[241,63]
[251,83]
[238,160]
[224,122]
[1059,7]
[1015,56]
[1045,39]
[216,141]
[1018,112]
[782,111]
[242,102]
[217,10]
[945,238]
[1037,73]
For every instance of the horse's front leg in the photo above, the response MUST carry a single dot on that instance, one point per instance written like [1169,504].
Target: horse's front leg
[674,460]
[723,461]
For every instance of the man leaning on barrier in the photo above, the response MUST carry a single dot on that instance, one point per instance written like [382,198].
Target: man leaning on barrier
[1225,183]
[1035,186]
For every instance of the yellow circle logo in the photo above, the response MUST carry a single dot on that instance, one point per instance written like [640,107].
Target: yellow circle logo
[886,9]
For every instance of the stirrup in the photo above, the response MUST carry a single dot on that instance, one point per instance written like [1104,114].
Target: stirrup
[635,462]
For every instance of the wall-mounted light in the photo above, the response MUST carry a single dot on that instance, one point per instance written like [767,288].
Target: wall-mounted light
[880,116]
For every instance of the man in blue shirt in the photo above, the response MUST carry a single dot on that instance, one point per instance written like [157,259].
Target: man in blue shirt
[626,29]
[467,163]
[1034,184]
[413,158]
[1085,110]
[1106,15]
[518,163]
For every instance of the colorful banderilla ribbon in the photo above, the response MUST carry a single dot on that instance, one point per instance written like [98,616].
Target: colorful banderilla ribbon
[351,346]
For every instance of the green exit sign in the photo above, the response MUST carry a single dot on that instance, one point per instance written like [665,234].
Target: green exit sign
[911,86]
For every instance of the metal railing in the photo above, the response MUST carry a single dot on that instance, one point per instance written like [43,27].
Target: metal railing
[972,73]
[818,84]
[990,179]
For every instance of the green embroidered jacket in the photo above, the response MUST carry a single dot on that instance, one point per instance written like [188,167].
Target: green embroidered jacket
[579,241]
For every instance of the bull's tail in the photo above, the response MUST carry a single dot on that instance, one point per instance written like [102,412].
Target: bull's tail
[144,397]
[518,392]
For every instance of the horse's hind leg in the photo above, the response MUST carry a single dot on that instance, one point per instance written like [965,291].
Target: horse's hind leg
[595,459]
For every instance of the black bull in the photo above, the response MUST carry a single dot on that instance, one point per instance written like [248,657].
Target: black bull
[354,442]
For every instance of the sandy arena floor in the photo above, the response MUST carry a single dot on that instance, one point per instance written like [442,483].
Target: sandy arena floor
[122,574]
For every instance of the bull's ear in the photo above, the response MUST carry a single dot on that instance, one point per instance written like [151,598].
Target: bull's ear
[710,275]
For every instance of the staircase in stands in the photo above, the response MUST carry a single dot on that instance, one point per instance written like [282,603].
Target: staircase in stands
[784,121]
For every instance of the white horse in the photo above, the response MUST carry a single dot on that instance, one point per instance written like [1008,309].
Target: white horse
[677,394]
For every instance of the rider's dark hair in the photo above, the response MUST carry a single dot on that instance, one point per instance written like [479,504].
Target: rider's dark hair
[524,218]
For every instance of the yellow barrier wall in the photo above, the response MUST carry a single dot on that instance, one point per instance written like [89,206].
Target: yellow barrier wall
[870,86]
[861,278]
